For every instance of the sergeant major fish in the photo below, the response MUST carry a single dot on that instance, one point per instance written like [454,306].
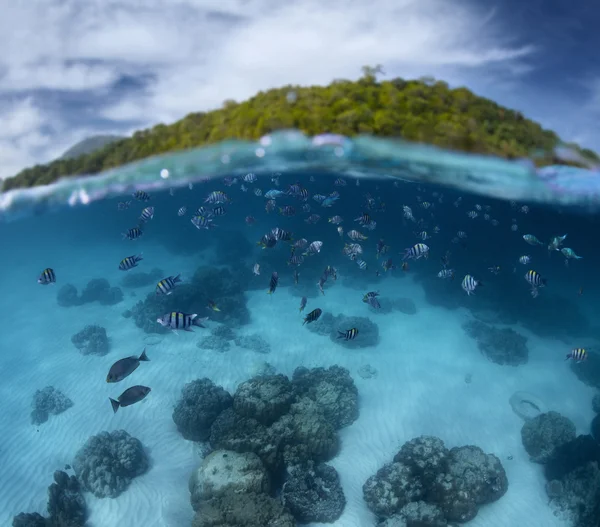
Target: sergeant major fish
[312,316]
[47,277]
[129,262]
[349,334]
[469,284]
[177,320]
[166,285]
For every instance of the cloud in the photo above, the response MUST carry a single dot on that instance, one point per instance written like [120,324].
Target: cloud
[197,53]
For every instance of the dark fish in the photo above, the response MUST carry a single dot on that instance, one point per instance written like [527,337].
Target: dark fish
[47,277]
[140,195]
[147,214]
[312,316]
[130,396]
[178,320]
[125,367]
[273,283]
[132,234]
[303,303]
[349,334]
[129,262]
[166,285]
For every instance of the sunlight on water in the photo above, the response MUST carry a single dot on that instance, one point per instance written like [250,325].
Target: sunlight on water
[292,151]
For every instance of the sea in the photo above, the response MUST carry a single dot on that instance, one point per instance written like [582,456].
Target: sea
[347,332]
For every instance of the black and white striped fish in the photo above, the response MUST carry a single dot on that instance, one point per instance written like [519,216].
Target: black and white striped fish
[47,277]
[177,320]
[140,195]
[312,316]
[577,354]
[416,251]
[469,284]
[129,262]
[349,334]
[182,211]
[273,282]
[132,234]
[166,285]
[147,214]
[534,278]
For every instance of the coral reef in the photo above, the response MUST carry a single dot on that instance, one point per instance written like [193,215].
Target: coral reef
[502,346]
[542,434]
[264,398]
[108,462]
[423,473]
[66,505]
[596,403]
[595,428]
[367,371]
[200,404]
[214,343]
[96,290]
[588,371]
[217,285]
[313,493]
[68,296]
[48,401]
[91,340]
[142,279]
[253,342]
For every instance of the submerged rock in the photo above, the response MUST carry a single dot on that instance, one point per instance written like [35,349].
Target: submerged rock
[253,342]
[264,398]
[542,434]
[391,488]
[502,346]
[92,340]
[588,371]
[48,401]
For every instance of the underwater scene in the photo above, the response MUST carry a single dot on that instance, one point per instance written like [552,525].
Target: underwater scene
[302,331]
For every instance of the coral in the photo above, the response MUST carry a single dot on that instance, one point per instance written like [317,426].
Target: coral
[333,389]
[595,428]
[417,514]
[502,346]
[67,296]
[253,342]
[225,471]
[588,371]
[391,488]
[313,493]
[66,504]
[142,279]
[91,340]
[542,434]
[29,519]
[200,403]
[99,290]
[264,398]
[526,405]
[572,455]
[426,456]
[214,343]
[48,401]
[108,462]
[367,371]
[596,403]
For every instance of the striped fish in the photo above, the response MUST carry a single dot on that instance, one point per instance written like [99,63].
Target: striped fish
[217,197]
[303,303]
[177,320]
[577,354]
[534,278]
[469,284]
[140,195]
[132,234]
[47,277]
[182,211]
[166,285]
[416,251]
[312,316]
[129,262]
[273,282]
[349,334]
[147,214]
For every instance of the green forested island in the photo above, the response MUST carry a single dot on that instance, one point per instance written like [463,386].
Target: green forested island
[423,110]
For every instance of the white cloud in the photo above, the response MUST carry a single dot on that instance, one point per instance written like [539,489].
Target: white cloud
[201,52]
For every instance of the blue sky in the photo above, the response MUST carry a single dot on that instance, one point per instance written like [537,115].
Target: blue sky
[74,68]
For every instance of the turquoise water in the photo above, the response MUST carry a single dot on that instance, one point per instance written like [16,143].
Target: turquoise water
[475,362]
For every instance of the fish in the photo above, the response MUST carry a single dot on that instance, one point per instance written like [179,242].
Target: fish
[273,283]
[556,242]
[416,251]
[525,259]
[382,248]
[313,248]
[123,205]
[531,239]
[219,211]
[534,278]
[166,285]
[178,320]
[125,367]
[577,354]
[212,305]
[404,266]
[362,265]
[495,269]
[250,178]
[569,253]
[202,222]
[336,220]
[47,277]
[469,284]
[129,262]
[132,234]
[312,316]
[182,211]
[130,396]
[349,334]
[355,235]
[296,276]
[256,269]
[312,219]
[303,303]
[388,264]
[217,197]
[250,220]
[287,211]
[446,273]
[321,283]
[140,195]
[295,259]
[363,219]
[146,215]
[472,214]
[340,231]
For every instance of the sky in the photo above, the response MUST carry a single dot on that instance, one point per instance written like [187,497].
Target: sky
[70,69]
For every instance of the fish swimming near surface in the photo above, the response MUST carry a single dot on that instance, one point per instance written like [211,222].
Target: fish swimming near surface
[47,277]
[349,334]
[129,262]
[166,285]
[577,354]
[312,316]
[125,367]
[178,320]
[140,195]
[132,234]
[130,396]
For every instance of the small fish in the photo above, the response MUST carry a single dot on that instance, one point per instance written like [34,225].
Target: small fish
[569,253]
[525,259]
[313,219]
[257,192]
[303,303]
[355,235]
[270,206]
[219,211]
[129,262]
[336,220]
[125,367]
[147,214]
[123,205]
[472,214]
[416,251]
[250,178]
[534,278]
[250,220]
[212,305]
[446,273]
[469,284]
[313,248]
[132,234]
[312,316]
[556,242]
[140,195]
[47,277]
[340,231]
[349,334]
[296,276]
[531,239]
[362,265]
[495,269]
[217,197]
[577,354]
[256,269]
[178,320]
[382,248]
[295,259]
[166,285]
[388,264]
[130,396]
[321,283]
[287,211]
[273,282]
[182,211]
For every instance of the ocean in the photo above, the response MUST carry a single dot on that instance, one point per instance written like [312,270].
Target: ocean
[433,353]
